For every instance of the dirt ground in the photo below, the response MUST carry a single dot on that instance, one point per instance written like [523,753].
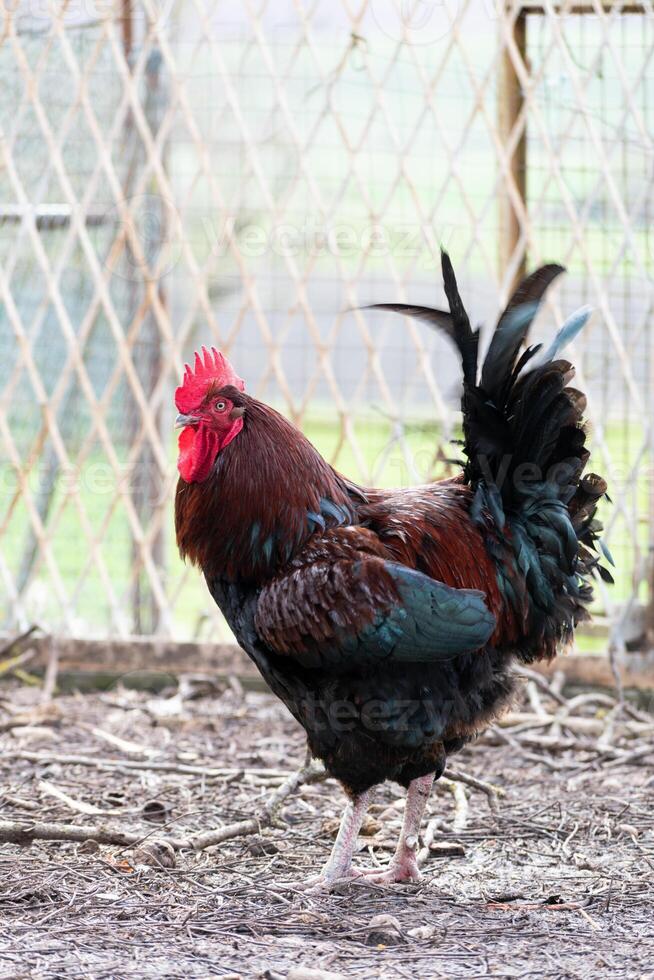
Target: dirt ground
[557,884]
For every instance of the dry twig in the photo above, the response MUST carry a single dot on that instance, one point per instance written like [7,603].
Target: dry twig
[491,791]
[22,832]
[311,773]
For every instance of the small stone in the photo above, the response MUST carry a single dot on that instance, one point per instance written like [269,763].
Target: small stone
[384,930]
[156,854]
[261,846]
[422,932]
[155,811]
[370,826]
[115,798]
[446,848]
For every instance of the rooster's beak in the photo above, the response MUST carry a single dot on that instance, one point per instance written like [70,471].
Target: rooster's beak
[183,420]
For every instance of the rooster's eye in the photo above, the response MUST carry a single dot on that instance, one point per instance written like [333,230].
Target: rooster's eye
[220,406]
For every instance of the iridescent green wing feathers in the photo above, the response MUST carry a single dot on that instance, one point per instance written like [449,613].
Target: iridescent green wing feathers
[344,614]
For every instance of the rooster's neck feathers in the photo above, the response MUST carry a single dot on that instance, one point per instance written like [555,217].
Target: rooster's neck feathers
[269,491]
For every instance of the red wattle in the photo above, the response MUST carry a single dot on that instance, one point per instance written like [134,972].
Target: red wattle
[198,449]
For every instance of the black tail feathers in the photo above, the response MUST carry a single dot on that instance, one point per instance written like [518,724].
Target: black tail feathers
[491,438]
[525,445]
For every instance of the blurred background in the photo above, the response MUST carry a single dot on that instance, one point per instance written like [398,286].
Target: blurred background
[185,172]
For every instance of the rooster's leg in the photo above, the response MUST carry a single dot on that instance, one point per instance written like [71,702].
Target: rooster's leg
[339,863]
[404,864]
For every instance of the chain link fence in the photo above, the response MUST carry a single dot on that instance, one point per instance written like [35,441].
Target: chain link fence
[178,173]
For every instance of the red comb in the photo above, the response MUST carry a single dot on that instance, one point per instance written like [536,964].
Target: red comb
[211,367]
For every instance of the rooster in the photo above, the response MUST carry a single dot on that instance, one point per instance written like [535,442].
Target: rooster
[388,620]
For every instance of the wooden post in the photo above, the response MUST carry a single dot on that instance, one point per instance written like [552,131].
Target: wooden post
[510,103]
[127,25]
[145,483]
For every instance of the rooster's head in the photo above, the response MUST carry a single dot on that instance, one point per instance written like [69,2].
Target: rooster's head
[210,413]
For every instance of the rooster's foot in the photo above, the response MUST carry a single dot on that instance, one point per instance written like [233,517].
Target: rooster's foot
[324,883]
[397,871]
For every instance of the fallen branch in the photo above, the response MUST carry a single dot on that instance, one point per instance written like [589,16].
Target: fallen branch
[44,714]
[427,841]
[492,792]
[25,831]
[129,748]
[46,758]
[626,758]
[536,906]
[460,820]
[552,744]
[548,688]
[527,719]
[78,805]
[311,773]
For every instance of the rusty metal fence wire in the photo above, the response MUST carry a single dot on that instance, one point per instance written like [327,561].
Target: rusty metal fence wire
[178,172]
